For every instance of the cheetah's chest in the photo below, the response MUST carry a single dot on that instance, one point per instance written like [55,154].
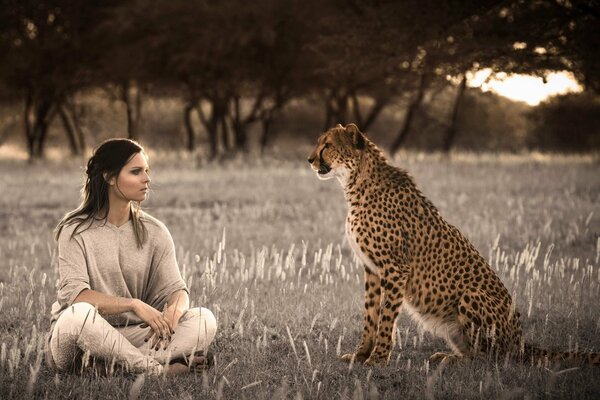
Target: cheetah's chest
[356,248]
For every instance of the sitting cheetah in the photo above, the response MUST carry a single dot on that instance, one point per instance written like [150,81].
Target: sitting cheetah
[415,259]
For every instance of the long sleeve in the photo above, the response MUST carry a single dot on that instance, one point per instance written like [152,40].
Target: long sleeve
[165,278]
[72,268]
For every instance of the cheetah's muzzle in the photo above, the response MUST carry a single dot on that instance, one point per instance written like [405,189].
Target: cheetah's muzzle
[324,169]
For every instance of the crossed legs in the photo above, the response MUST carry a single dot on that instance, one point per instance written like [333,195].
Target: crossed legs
[81,330]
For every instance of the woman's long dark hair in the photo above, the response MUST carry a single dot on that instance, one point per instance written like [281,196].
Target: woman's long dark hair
[106,163]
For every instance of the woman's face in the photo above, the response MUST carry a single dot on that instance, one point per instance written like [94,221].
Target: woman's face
[133,180]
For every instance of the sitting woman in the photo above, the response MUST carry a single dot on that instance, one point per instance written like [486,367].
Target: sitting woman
[121,299]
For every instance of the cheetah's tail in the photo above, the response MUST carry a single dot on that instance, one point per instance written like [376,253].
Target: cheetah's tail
[536,355]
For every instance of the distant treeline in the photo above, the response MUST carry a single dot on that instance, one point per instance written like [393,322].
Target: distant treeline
[236,65]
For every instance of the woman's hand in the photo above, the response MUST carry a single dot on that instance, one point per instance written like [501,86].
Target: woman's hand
[161,329]
[177,304]
[172,315]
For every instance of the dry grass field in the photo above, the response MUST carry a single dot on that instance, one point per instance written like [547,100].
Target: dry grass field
[261,244]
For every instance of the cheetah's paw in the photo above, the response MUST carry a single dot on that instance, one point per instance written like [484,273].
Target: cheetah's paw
[445,358]
[353,357]
[376,359]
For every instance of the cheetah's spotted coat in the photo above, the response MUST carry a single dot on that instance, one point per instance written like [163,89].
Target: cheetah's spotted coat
[414,259]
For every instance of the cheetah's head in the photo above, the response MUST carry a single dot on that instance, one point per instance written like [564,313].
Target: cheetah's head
[337,152]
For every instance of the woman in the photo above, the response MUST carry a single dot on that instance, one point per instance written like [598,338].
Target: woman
[121,299]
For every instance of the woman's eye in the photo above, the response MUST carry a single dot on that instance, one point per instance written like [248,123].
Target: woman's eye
[139,171]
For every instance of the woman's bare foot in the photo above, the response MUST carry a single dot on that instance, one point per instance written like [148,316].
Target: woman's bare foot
[195,364]
[176,369]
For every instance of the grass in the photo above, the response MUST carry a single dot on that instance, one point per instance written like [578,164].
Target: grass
[261,244]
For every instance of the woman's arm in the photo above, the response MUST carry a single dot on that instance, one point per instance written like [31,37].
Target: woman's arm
[106,304]
[177,304]
[109,305]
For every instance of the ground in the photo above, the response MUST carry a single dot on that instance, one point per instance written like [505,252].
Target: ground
[261,244]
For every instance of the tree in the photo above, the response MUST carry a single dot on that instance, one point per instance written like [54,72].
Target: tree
[351,56]
[567,123]
[125,41]
[375,49]
[48,57]
[542,35]
[234,60]
[511,37]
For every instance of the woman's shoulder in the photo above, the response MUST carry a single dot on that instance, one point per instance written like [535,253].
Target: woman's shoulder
[66,230]
[154,225]
[75,227]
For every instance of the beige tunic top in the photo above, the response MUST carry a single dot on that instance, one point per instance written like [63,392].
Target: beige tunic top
[106,258]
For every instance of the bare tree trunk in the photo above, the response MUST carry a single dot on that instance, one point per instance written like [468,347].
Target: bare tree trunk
[365,124]
[128,109]
[211,125]
[131,96]
[240,124]
[378,107]
[336,108]
[28,125]
[267,115]
[452,128]
[44,116]
[213,133]
[356,110]
[341,108]
[138,110]
[189,128]
[68,130]
[222,121]
[239,127]
[266,121]
[410,113]
[71,111]
[38,114]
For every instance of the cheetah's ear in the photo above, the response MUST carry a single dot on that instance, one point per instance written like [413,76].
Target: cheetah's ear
[339,126]
[357,137]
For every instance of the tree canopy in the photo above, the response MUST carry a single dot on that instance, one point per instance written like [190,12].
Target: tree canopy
[355,56]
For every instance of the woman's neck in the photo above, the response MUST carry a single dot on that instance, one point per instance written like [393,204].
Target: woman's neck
[119,210]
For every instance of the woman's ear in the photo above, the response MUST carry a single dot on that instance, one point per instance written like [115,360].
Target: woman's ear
[110,181]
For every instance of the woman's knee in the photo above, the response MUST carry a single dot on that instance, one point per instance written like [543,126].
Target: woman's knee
[203,320]
[208,319]
[77,316]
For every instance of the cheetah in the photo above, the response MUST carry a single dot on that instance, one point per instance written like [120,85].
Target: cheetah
[416,261]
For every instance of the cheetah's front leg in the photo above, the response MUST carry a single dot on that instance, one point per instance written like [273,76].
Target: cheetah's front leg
[391,302]
[370,318]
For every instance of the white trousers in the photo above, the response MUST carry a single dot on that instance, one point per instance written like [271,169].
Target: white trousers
[81,331]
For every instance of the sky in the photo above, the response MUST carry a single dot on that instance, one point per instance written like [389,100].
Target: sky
[529,89]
